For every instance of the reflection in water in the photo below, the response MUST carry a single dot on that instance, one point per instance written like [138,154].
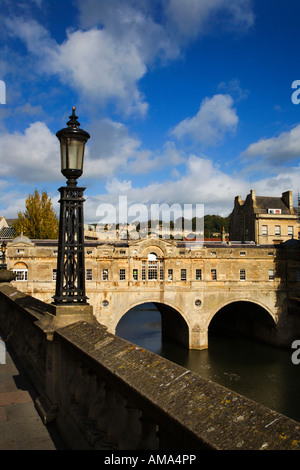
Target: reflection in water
[261,372]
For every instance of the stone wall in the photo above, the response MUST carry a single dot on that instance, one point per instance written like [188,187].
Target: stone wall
[105,393]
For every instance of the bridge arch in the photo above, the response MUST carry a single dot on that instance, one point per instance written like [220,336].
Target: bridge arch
[174,324]
[245,317]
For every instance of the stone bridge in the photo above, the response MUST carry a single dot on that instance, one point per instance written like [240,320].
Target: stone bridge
[251,288]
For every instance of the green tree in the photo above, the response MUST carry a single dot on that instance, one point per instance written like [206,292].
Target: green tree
[215,223]
[39,220]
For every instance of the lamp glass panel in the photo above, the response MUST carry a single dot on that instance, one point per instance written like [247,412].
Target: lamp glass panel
[72,152]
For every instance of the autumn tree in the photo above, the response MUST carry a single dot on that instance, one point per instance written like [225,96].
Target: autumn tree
[39,220]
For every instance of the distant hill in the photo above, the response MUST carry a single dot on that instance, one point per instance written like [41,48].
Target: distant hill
[212,224]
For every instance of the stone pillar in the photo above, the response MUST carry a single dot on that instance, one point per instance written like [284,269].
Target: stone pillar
[198,338]
[57,316]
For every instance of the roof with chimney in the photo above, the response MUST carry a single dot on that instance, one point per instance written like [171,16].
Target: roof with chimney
[264,203]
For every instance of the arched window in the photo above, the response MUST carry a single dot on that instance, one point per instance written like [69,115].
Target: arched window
[21,271]
[152,267]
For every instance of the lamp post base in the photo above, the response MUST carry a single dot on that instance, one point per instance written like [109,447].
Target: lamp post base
[70,281]
[59,316]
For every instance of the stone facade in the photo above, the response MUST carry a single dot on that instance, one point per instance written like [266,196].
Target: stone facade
[264,220]
[189,283]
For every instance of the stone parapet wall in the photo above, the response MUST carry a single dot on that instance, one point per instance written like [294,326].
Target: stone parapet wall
[103,392]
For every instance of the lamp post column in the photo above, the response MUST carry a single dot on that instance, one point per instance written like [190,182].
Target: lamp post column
[70,277]
[70,281]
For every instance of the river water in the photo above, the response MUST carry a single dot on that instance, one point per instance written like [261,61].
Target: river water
[264,373]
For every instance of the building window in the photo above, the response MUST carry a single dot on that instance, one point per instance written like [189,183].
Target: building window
[88,274]
[170,274]
[20,251]
[264,230]
[152,267]
[21,271]
[21,274]
[122,275]
[183,274]
[290,230]
[298,275]
[198,274]
[54,274]
[161,271]
[271,274]
[242,275]
[277,230]
[143,270]
[152,270]
[135,274]
[242,253]
[104,274]
[213,274]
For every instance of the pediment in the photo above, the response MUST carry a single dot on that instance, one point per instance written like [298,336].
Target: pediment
[147,245]
[20,244]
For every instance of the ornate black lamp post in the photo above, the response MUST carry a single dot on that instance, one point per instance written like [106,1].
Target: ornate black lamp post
[70,280]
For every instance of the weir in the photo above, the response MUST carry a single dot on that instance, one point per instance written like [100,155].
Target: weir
[103,392]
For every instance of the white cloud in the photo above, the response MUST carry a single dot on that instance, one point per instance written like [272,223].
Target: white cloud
[201,183]
[193,17]
[30,156]
[233,88]
[118,42]
[274,185]
[35,36]
[112,150]
[276,150]
[116,186]
[130,21]
[215,117]
[94,62]
[103,69]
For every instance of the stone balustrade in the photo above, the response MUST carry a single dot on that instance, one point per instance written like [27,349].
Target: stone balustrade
[105,393]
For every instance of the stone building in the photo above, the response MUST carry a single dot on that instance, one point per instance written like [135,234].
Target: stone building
[264,220]
[7,232]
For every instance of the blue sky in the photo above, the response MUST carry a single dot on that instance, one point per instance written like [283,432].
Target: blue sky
[186,101]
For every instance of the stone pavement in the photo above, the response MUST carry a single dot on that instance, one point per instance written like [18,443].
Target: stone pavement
[21,427]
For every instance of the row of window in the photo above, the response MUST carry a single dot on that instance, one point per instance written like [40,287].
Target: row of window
[264,230]
[198,277]
[22,275]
